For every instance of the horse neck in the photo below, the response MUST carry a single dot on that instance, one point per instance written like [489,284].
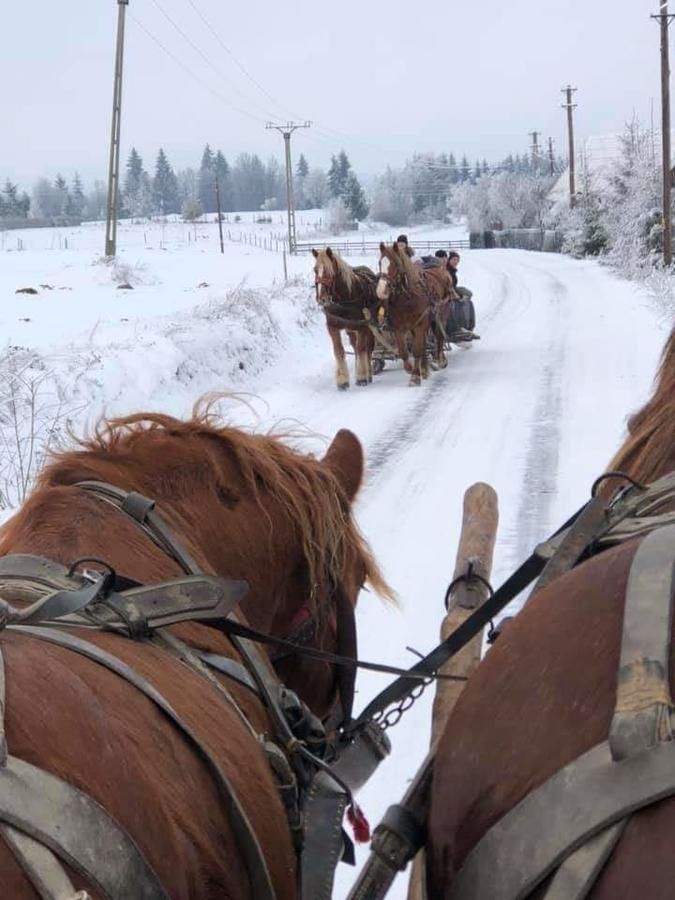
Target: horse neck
[342,291]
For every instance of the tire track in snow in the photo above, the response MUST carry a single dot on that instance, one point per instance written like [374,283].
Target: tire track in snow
[540,476]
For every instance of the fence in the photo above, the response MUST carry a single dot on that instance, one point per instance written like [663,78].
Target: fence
[356,248]
[518,239]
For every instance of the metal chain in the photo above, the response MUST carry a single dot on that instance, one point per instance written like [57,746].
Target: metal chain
[388,718]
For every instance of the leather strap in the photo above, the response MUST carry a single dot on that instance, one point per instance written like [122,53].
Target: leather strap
[78,830]
[578,802]
[577,875]
[643,702]
[256,866]
[42,867]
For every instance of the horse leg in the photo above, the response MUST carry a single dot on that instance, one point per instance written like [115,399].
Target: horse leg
[342,373]
[361,358]
[441,319]
[420,369]
[369,344]
[401,338]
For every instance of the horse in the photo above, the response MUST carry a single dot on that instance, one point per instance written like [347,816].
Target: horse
[246,506]
[403,294]
[546,693]
[347,297]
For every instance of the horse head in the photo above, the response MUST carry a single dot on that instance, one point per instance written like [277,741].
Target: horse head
[245,506]
[324,275]
[389,267]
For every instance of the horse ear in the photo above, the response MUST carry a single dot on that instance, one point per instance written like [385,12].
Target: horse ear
[315,253]
[382,247]
[344,458]
[329,253]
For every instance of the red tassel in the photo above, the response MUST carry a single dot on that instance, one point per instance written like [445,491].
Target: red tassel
[359,823]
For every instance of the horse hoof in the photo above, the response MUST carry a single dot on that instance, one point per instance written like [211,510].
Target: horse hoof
[343,387]
[415,382]
[362,383]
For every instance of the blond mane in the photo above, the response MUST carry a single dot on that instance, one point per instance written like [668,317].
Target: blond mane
[649,450]
[335,265]
[166,457]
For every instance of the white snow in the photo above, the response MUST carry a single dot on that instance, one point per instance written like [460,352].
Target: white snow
[536,408]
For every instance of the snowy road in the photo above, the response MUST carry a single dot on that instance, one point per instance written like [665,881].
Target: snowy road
[536,408]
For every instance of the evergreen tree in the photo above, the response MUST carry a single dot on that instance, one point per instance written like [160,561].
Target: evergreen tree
[334,177]
[63,194]
[248,178]
[354,198]
[77,200]
[486,168]
[477,171]
[465,171]
[302,170]
[344,167]
[10,199]
[165,187]
[454,173]
[134,175]
[207,181]
[133,184]
[224,176]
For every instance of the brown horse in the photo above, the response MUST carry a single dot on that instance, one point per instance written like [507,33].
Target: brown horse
[344,293]
[546,692]
[247,507]
[404,295]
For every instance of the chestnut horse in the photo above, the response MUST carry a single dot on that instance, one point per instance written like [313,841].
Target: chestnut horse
[246,507]
[406,296]
[545,694]
[345,293]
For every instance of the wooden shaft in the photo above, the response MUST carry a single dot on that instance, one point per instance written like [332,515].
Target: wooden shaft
[476,548]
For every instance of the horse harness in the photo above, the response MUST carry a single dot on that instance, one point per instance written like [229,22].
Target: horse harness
[46,821]
[566,829]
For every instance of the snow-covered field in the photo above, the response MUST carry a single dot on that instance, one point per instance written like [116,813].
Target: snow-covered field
[536,408]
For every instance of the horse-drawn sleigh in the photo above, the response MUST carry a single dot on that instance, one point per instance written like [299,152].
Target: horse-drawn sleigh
[406,310]
[177,682]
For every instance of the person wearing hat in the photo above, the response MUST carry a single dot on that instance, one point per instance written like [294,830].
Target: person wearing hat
[402,241]
[453,263]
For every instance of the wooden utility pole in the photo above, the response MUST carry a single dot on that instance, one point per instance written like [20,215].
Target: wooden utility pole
[220,217]
[287,130]
[551,156]
[115,131]
[569,106]
[665,18]
[535,150]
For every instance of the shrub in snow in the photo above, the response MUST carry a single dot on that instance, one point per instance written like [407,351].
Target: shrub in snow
[192,210]
[33,422]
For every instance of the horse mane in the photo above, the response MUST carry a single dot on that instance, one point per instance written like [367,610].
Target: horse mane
[649,449]
[405,264]
[337,266]
[125,451]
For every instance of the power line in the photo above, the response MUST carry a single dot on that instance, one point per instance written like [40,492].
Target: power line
[195,77]
[198,50]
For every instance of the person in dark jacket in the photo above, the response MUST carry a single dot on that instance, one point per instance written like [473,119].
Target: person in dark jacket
[453,263]
[402,241]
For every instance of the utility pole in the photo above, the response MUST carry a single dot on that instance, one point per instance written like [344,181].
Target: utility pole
[665,18]
[535,150]
[551,156]
[569,106]
[287,130]
[220,217]
[114,169]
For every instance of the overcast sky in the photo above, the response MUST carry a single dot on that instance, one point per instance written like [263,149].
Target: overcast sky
[381,79]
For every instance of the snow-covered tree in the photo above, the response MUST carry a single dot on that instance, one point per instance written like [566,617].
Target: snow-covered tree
[165,187]
[316,189]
